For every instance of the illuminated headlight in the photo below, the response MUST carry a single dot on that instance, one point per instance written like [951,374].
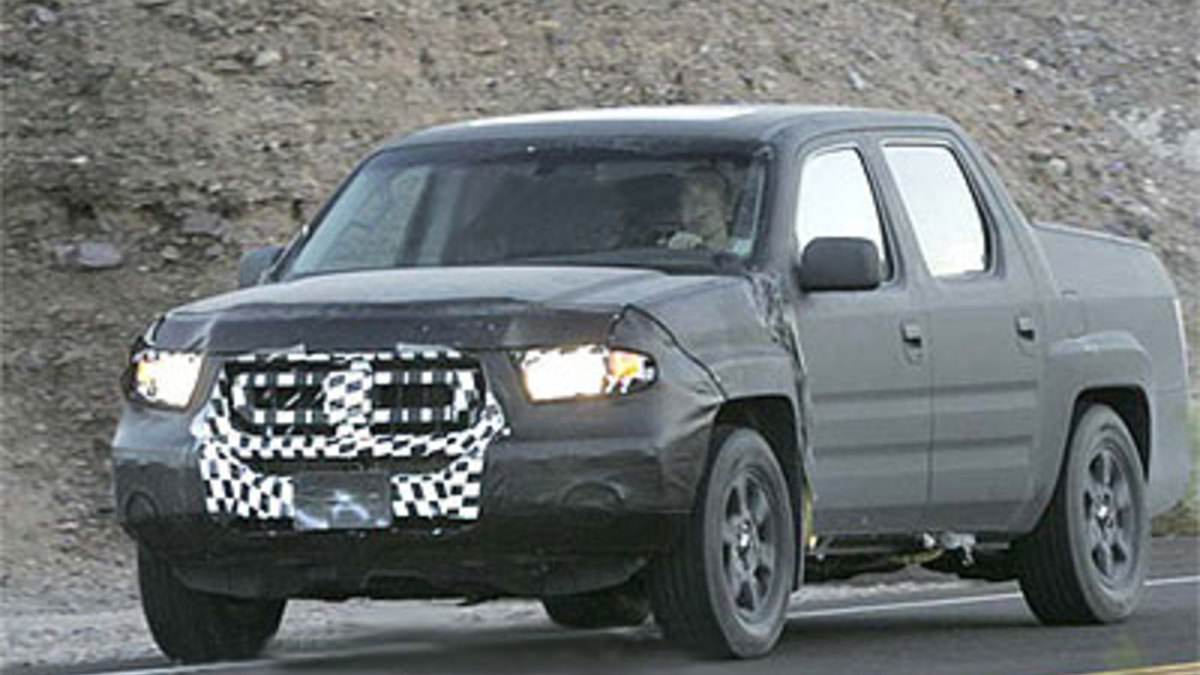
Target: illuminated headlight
[583,372]
[165,378]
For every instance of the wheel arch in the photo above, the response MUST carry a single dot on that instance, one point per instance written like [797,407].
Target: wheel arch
[1132,405]
[776,418]
[1109,367]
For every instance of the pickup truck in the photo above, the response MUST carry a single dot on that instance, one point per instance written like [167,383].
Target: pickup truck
[667,362]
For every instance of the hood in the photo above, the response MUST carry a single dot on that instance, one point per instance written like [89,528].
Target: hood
[462,307]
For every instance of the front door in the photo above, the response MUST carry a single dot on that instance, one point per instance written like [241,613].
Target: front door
[866,362]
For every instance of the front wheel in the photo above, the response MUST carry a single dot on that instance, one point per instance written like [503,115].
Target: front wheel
[1086,560]
[723,592]
[196,627]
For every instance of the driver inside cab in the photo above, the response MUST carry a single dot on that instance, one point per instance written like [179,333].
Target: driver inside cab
[703,213]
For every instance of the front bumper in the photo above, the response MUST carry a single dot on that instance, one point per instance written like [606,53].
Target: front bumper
[576,496]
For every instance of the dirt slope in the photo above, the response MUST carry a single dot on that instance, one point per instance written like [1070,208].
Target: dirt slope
[172,134]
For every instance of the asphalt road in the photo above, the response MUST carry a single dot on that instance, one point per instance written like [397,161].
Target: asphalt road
[918,627]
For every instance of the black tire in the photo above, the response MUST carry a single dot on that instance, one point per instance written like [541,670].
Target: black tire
[195,627]
[623,606]
[1086,560]
[723,592]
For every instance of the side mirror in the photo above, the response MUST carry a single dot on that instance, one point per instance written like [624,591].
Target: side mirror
[840,264]
[254,263]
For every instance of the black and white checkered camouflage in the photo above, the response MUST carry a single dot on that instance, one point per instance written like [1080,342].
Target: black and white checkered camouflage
[233,488]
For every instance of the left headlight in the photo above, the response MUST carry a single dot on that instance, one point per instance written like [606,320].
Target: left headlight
[583,372]
[165,378]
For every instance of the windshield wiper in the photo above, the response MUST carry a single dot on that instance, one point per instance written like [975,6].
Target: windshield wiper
[665,260]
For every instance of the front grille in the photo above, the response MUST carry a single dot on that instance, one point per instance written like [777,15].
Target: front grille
[389,465]
[388,394]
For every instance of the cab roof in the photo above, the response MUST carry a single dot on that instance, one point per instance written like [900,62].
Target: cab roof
[725,122]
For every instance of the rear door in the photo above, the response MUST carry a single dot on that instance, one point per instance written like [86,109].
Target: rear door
[868,373]
[982,338]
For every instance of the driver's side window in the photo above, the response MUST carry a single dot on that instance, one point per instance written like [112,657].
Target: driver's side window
[836,200]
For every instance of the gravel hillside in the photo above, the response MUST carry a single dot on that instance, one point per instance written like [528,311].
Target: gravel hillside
[146,143]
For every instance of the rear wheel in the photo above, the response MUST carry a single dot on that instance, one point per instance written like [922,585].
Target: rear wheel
[196,627]
[625,605]
[1086,561]
[723,592]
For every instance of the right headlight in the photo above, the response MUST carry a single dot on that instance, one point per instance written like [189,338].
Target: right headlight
[585,371]
[165,378]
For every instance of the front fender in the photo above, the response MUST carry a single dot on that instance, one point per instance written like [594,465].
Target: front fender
[736,329]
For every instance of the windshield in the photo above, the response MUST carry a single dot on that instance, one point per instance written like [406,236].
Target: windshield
[650,204]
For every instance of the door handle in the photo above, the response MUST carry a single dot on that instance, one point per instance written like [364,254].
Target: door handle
[1026,328]
[910,332]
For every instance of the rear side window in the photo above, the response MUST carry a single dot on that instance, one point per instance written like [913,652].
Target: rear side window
[836,200]
[941,208]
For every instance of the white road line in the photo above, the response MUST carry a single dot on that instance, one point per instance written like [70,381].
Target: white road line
[1173,581]
[836,611]
[177,670]
[899,606]
[949,602]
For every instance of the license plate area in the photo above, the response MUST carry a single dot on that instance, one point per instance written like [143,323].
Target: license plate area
[342,501]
